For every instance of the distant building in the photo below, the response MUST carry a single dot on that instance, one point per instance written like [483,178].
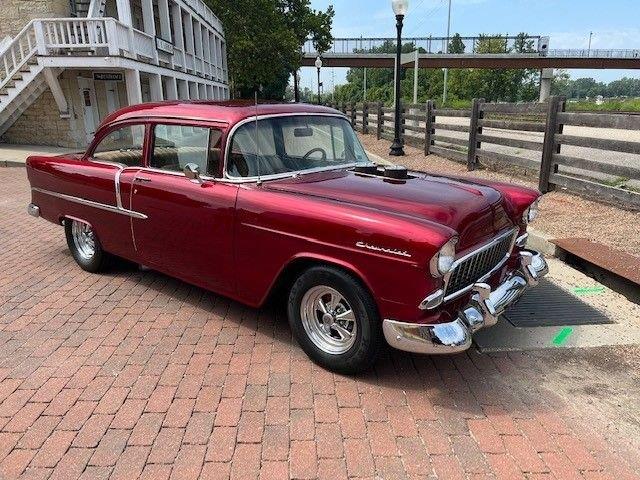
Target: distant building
[66,64]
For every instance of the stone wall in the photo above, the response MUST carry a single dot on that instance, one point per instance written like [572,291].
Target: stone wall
[15,14]
[41,124]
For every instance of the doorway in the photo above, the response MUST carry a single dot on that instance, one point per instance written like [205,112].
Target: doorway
[89,106]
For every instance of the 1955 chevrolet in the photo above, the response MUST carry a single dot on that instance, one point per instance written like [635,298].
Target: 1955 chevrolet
[254,201]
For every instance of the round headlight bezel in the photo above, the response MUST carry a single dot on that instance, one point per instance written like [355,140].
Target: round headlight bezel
[442,262]
[531,213]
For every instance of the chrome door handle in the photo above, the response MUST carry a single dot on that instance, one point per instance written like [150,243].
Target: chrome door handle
[142,179]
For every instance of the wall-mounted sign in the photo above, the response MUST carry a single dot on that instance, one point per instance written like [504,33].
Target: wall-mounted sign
[108,76]
[164,45]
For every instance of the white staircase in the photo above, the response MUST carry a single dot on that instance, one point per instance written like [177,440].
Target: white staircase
[21,78]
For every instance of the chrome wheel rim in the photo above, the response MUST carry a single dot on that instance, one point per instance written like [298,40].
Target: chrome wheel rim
[328,320]
[83,239]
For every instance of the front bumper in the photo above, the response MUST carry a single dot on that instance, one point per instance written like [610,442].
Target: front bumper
[482,311]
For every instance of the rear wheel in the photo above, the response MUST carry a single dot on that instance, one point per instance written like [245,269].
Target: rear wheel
[335,320]
[85,246]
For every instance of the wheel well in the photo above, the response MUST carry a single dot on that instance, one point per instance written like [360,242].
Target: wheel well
[294,269]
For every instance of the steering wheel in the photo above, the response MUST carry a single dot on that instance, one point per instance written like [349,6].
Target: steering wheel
[314,150]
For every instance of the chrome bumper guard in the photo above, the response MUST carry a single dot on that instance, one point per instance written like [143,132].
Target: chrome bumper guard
[482,311]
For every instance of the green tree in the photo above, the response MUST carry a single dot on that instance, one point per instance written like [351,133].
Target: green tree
[456,45]
[264,39]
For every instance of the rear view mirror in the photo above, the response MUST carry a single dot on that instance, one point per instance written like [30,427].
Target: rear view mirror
[303,132]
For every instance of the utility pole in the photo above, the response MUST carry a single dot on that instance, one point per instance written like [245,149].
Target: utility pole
[364,81]
[446,70]
[415,78]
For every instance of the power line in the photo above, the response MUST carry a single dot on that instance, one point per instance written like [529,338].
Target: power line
[427,16]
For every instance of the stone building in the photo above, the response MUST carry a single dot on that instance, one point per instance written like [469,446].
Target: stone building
[66,64]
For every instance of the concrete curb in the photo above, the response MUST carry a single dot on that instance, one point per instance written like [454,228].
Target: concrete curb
[541,242]
[12,163]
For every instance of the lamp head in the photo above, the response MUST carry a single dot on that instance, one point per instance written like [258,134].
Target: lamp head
[400,7]
[318,62]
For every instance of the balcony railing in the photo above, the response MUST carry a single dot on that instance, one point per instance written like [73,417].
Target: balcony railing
[88,36]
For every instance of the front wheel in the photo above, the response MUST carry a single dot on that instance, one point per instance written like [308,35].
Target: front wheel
[85,246]
[335,320]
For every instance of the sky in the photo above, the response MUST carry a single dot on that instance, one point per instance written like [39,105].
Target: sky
[614,24]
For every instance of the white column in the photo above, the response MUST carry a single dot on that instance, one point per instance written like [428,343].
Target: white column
[147,17]
[134,90]
[178,41]
[193,91]
[206,52]
[171,87]
[197,36]
[155,87]
[124,12]
[165,19]
[183,90]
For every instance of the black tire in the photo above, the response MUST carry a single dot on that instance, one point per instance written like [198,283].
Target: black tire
[97,262]
[362,353]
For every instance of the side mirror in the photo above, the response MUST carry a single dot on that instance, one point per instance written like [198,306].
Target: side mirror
[192,172]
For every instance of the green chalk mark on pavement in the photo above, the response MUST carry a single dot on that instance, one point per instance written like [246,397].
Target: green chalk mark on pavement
[588,290]
[562,336]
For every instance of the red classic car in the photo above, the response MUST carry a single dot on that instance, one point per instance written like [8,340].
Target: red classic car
[251,202]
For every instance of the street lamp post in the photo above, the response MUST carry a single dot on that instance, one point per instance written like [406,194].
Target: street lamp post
[399,9]
[318,67]
[589,48]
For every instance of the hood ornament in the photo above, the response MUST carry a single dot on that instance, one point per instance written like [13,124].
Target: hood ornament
[375,248]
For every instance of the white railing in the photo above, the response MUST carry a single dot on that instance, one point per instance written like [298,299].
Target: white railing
[17,53]
[75,34]
[144,45]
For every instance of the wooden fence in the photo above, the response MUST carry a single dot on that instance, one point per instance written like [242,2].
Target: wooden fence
[477,135]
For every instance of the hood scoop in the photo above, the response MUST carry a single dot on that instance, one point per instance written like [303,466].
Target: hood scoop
[391,172]
[396,172]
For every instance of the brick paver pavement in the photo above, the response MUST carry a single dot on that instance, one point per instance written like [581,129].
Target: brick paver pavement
[135,374]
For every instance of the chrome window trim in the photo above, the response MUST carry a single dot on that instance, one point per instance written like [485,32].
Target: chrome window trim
[91,203]
[231,179]
[511,232]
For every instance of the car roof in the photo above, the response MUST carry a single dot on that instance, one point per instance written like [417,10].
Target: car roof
[230,111]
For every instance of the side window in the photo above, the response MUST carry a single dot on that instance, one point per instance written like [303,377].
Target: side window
[244,151]
[176,145]
[123,145]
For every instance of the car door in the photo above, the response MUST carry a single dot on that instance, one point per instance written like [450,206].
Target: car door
[188,232]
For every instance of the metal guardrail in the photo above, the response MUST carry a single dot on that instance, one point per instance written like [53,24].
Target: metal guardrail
[437,45]
[429,44]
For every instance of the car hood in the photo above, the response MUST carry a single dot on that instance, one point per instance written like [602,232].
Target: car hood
[476,212]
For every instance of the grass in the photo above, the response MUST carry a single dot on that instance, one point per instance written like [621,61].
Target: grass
[613,105]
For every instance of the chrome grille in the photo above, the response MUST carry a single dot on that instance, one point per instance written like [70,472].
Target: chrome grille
[474,266]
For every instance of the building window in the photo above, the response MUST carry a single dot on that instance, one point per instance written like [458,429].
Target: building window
[123,145]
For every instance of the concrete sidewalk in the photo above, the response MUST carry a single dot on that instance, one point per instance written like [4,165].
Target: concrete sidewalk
[16,155]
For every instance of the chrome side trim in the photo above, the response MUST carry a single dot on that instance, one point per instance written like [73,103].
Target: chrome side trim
[499,265]
[117,181]
[91,203]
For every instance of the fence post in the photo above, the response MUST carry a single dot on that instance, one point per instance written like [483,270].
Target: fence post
[556,104]
[428,127]
[353,115]
[365,117]
[473,133]
[380,121]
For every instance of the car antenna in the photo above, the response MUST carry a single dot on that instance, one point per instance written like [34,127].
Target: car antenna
[257,139]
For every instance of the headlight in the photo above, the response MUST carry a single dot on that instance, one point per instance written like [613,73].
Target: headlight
[443,260]
[530,213]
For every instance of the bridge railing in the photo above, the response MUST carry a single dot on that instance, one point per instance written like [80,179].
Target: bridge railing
[539,139]
[595,53]
[497,44]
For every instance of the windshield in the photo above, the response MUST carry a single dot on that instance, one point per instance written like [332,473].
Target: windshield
[292,144]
